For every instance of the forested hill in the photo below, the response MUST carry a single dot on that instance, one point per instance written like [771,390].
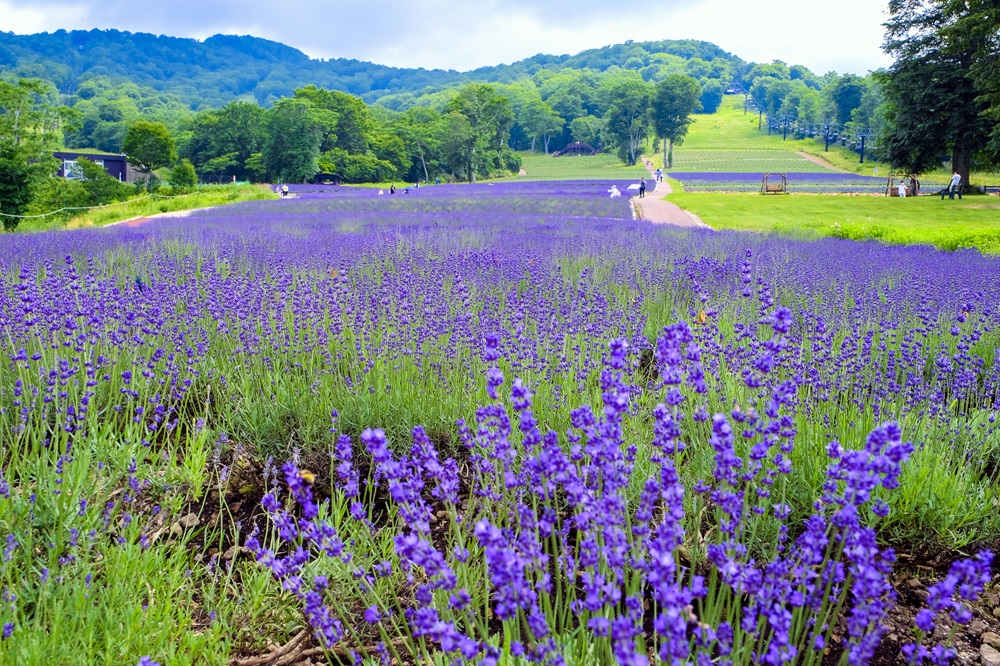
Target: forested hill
[213,72]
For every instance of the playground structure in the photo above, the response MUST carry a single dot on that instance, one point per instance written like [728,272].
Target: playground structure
[770,184]
[911,181]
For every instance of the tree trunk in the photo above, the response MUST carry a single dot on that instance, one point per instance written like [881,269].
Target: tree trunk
[961,161]
[670,155]
[423,162]
[533,137]
[664,153]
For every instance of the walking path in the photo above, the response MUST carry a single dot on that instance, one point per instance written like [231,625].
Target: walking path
[658,210]
[823,163]
[136,221]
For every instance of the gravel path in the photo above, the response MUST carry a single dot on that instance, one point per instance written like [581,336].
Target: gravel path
[136,221]
[656,209]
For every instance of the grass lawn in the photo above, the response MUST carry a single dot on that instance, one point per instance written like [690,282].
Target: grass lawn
[972,222]
[204,197]
[539,166]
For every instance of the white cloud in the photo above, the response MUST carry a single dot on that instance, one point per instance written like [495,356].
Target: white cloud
[458,34]
[41,17]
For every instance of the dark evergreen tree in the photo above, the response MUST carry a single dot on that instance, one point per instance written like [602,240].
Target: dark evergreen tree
[933,105]
[977,26]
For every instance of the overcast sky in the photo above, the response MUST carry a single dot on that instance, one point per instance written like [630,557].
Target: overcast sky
[844,35]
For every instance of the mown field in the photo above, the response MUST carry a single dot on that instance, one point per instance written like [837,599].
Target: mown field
[969,223]
[502,423]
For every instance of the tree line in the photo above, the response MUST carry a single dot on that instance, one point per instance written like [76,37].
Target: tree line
[938,102]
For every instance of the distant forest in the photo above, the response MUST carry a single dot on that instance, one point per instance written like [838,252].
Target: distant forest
[211,73]
[256,110]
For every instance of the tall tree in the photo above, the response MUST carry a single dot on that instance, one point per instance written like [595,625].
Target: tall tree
[351,119]
[977,26]
[489,119]
[588,129]
[627,114]
[845,94]
[291,151]
[541,122]
[420,130]
[674,100]
[29,132]
[221,141]
[933,105]
[711,96]
[149,146]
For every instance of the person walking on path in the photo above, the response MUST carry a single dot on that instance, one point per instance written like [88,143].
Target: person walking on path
[642,188]
[955,186]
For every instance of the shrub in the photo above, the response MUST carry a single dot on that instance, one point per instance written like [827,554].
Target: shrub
[183,176]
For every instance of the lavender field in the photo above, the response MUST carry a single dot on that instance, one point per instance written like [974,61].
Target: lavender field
[490,424]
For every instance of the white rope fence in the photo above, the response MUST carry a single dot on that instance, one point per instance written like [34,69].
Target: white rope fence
[89,208]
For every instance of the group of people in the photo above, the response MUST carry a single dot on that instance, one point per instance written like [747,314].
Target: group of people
[954,187]
[616,193]
[406,190]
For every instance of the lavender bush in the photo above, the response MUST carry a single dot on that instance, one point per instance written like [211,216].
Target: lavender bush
[145,370]
[543,558]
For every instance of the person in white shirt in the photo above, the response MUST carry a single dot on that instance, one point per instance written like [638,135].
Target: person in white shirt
[954,187]
[901,190]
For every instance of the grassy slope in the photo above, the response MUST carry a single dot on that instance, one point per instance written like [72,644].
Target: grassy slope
[539,166]
[971,222]
[730,129]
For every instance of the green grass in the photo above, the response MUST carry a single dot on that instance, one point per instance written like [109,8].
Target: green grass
[539,166]
[204,197]
[742,161]
[971,222]
[730,129]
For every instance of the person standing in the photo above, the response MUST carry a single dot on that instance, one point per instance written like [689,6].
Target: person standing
[901,190]
[955,186]
[642,188]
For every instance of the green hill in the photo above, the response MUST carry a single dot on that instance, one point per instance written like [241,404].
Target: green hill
[213,72]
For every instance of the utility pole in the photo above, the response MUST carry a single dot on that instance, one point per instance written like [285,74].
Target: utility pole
[863,134]
[826,128]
